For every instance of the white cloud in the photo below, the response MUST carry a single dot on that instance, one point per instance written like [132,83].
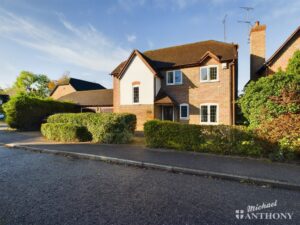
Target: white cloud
[131,38]
[83,46]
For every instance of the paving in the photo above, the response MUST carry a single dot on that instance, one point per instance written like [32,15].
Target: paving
[49,189]
[235,166]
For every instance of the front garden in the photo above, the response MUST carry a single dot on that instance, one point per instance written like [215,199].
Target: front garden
[271,107]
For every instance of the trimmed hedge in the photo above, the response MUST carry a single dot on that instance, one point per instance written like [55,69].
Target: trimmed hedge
[65,132]
[215,139]
[104,127]
[25,112]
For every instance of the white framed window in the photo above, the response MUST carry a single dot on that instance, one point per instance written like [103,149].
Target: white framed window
[136,94]
[209,73]
[209,113]
[184,111]
[174,77]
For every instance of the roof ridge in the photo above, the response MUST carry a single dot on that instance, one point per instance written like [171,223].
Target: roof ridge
[192,43]
[94,90]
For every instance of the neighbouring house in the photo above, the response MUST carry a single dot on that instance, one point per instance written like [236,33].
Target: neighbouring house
[74,85]
[94,100]
[3,98]
[279,60]
[193,83]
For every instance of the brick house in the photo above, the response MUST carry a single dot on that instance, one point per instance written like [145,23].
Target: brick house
[72,86]
[192,83]
[279,60]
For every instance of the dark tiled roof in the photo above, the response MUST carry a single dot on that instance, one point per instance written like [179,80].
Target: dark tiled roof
[187,54]
[90,98]
[80,85]
[278,52]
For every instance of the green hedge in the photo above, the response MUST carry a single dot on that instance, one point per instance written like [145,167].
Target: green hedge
[104,127]
[25,112]
[215,139]
[65,132]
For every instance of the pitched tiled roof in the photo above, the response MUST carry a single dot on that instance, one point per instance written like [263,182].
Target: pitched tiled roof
[278,52]
[187,54]
[163,98]
[90,98]
[81,85]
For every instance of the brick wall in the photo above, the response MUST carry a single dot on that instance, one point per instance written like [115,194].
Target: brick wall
[191,91]
[62,90]
[257,49]
[142,112]
[283,59]
[194,92]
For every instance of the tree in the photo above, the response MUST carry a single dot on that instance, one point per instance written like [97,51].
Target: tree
[270,97]
[40,86]
[294,64]
[64,79]
[34,84]
[24,80]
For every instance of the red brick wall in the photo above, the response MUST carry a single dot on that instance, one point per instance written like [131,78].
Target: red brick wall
[194,92]
[282,61]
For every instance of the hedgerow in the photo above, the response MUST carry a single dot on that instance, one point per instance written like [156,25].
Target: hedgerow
[220,139]
[104,127]
[26,112]
[65,132]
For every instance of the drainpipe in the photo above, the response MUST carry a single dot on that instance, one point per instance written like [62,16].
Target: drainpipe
[232,90]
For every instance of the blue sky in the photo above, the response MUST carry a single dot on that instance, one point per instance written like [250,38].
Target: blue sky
[89,38]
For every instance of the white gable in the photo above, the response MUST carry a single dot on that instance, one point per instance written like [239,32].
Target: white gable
[137,71]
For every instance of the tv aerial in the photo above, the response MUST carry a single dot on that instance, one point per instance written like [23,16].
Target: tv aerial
[247,20]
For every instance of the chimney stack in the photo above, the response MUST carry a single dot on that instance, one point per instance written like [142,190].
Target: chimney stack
[257,48]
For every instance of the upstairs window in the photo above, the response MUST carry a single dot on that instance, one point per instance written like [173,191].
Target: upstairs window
[209,73]
[184,111]
[209,114]
[174,77]
[136,94]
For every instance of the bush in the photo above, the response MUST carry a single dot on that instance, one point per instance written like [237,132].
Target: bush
[270,97]
[25,112]
[215,139]
[104,127]
[65,132]
[167,134]
[284,132]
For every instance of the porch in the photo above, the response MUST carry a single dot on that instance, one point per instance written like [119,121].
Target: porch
[166,108]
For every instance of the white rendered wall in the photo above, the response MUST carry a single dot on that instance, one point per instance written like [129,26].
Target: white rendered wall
[137,71]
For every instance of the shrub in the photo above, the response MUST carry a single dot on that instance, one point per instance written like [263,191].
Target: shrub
[284,132]
[167,134]
[104,127]
[215,139]
[65,132]
[270,97]
[293,66]
[27,113]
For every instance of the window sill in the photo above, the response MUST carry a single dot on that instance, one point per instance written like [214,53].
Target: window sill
[208,123]
[209,81]
[174,84]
